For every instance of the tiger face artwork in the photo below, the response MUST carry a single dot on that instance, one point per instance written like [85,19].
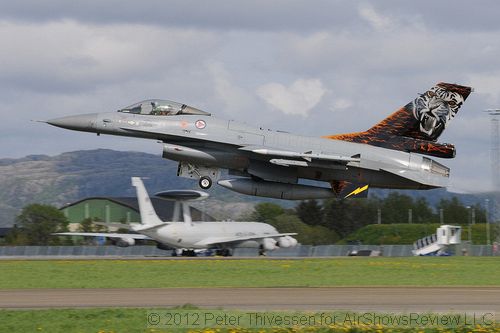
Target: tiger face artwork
[435,108]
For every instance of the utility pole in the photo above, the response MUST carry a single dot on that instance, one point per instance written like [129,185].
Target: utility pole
[410,215]
[469,218]
[487,204]
[495,160]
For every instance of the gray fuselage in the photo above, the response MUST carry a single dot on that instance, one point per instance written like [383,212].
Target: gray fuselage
[205,140]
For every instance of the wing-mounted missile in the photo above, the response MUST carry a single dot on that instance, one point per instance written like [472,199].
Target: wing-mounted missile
[295,158]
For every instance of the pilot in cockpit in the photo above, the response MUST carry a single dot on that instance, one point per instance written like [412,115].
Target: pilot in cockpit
[157,110]
[162,110]
[154,108]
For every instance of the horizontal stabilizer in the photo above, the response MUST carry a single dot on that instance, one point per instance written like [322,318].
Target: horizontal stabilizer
[114,225]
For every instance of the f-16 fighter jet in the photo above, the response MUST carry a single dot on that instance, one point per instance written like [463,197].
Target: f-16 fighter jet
[395,153]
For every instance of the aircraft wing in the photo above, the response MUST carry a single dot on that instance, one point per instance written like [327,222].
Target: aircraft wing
[294,158]
[221,240]
[114,225]
[103,234]
[277,156]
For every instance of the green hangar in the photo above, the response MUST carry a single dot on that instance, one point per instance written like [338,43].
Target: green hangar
[120,209]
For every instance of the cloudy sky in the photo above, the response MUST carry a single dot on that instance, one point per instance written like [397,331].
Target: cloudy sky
[311,67]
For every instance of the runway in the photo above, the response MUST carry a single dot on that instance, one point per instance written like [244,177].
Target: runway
[383,299]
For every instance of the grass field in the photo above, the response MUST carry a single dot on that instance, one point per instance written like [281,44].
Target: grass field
[135,320]
[349,271]
[449,271]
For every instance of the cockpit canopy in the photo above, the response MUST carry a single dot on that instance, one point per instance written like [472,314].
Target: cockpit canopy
[159,107]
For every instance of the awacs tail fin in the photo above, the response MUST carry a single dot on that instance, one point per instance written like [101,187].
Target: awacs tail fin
[148,214]
[416,126]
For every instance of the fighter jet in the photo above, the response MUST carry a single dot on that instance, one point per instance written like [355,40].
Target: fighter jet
[395,153]
[189,236]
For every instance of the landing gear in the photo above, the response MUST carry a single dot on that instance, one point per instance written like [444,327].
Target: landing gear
[205,182]
[224,252]
[204,174]
[188,253]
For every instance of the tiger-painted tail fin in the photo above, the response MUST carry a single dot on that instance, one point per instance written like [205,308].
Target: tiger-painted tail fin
[416,126]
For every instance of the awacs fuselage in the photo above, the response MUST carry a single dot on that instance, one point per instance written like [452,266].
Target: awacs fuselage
[392,154]
[189,235]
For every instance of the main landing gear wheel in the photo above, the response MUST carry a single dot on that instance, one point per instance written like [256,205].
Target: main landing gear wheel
[205,182]
[188,253]
[224,252]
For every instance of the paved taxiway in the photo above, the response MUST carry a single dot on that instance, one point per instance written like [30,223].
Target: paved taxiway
[384,299]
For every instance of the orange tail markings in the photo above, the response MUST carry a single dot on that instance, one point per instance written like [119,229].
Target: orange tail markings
[416,126]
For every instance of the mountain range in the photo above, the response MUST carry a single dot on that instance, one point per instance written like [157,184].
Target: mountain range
[65,178]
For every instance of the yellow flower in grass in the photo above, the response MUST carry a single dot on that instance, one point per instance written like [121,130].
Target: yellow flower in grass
[208,330]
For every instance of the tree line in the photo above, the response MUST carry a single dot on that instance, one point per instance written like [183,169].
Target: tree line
[342,217]
[316,222]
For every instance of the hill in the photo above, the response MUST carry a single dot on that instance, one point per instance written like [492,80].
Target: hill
[65,178]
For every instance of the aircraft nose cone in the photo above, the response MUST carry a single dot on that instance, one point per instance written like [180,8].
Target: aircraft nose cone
[84,122]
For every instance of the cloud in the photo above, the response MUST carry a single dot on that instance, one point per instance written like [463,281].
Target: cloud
[221,15]
[297,99]
[341,103]
[233,97]
[487,85]
[258,15]
[252,61]
[70,56]
[375,19]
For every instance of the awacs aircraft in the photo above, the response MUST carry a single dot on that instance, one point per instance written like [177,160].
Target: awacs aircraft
[392,154]
[189,236]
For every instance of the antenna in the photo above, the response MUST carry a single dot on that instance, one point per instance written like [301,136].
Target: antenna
[181,198]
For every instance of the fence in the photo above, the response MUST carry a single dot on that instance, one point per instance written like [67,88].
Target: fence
[299,251]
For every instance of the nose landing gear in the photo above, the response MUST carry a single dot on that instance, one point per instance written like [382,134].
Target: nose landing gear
[205,175]
[205,182]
